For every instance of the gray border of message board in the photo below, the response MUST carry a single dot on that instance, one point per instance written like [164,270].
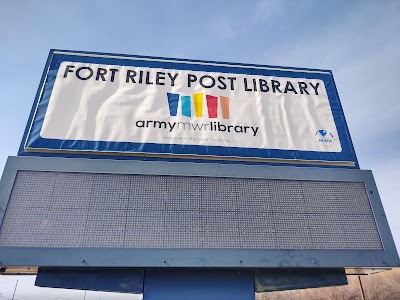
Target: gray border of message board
[241,258]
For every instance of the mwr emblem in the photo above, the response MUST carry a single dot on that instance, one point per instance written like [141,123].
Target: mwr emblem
[325,138]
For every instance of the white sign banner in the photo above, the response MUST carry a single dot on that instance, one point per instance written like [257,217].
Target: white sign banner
[95,102]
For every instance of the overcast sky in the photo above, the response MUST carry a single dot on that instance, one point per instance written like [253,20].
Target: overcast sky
[358,40]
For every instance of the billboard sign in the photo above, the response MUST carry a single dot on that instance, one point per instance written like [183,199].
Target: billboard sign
[116,105]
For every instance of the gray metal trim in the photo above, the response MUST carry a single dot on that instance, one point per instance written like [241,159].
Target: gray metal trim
[6,185]
[182,169]
[219,258]
[379,214]
[104,257]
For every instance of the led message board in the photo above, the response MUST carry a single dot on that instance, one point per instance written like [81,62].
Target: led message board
[113,213]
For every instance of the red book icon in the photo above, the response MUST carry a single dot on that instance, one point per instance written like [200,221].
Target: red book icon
[212,105]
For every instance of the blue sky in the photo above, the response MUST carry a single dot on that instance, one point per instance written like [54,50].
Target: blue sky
[358,40]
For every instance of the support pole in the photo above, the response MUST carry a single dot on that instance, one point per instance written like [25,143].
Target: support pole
[180,284]
[15,289]
[361,288]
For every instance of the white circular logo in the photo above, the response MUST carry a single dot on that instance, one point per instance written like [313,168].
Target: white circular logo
[325,138]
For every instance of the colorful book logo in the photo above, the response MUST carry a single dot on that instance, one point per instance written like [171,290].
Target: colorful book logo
[186,105]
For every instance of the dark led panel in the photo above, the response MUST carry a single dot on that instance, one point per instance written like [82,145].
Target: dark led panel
[98,210]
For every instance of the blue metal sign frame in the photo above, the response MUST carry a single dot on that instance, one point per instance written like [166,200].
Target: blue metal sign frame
[34,145]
